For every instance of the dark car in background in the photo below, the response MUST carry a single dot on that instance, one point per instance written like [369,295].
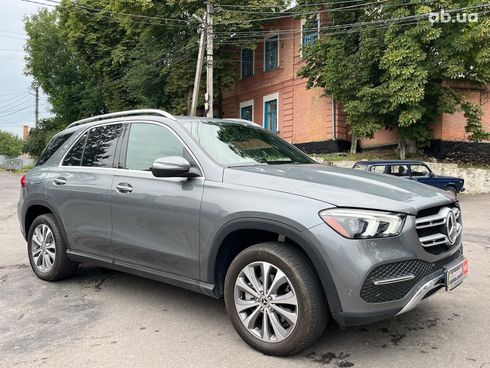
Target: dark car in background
[414,170]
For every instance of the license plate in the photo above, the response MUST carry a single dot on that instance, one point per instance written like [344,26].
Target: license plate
[456,274]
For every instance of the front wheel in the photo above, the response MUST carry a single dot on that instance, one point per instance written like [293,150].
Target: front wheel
[453,191]
[274,299]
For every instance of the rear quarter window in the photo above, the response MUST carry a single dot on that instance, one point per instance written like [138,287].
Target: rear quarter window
[54,145]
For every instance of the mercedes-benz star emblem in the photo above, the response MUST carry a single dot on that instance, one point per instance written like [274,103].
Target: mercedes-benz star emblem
[451,228]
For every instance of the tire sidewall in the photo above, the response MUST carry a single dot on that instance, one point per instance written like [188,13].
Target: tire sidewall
[452,190]
[304,309]
[59,246]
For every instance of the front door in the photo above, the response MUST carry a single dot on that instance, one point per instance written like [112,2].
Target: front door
[155,220]
[422,174]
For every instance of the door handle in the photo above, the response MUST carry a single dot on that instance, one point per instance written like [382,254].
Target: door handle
[124,188]
[59,181]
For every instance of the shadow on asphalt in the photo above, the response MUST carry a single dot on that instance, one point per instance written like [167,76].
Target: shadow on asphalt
[78,302]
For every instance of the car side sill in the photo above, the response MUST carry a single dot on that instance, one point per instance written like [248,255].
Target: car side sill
[167,278]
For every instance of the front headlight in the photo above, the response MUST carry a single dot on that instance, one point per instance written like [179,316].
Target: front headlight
[363,224]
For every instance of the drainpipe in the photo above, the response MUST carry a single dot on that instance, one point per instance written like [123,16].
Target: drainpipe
[334,121]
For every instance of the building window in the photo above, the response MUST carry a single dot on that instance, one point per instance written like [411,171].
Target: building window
[271,52]
[271,112]
[247,63]
[309,32]
[247,110]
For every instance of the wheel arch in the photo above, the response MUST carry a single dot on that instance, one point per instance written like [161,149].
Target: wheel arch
[218,265]
[37,207]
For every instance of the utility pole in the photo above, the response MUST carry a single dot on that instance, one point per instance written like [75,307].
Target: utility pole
[36,110]
[209,58]
[197,78]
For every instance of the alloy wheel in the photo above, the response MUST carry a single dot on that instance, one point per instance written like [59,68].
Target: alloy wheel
[266,302]
[43,248]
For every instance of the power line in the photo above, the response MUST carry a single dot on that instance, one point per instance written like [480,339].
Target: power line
[16,50]
[260,34]
[109,13]
[297,6]
[12,38]
[13,32]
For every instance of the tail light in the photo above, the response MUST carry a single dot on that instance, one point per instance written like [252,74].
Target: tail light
[23,181]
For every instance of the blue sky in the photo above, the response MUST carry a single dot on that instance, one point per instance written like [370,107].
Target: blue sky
[16,103]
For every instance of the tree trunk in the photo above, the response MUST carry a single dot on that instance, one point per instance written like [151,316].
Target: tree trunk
[407,146]
[353,144]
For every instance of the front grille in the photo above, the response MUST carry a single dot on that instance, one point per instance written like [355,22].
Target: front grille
[372,293]
[437,233]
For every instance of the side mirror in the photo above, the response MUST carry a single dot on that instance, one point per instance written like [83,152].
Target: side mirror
[173,167]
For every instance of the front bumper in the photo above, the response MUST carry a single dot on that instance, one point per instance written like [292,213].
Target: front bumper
[366,296]
[425,288]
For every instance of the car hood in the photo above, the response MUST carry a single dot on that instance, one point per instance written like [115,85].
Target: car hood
[340,187]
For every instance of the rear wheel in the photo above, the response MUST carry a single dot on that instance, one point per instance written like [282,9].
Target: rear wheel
[47,250]
[274,299]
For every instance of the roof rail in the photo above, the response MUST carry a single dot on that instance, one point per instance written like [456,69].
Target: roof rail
[123,113]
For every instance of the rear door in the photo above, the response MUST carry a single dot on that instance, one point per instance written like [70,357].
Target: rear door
[81,189]
[155,220]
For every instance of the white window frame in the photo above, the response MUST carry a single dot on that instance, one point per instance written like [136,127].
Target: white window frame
[253,62]
[271,97]
[246,104]
[303,22]
[270,35]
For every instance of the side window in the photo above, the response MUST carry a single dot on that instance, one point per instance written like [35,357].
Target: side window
[147,142]
[54,144]
[420,170]
[399,170]
[247,63]
[382,169]
[309,32]
[74,157]
[271,53]
[101,146]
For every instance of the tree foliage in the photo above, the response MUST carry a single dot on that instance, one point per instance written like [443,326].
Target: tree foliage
[390,66]
[40,136]
[10,145]
[97,56]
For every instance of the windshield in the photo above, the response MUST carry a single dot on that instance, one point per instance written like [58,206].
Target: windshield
[234,144]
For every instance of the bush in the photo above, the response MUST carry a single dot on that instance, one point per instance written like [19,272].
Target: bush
[10,145]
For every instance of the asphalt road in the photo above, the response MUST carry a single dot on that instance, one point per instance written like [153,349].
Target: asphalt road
[101,318]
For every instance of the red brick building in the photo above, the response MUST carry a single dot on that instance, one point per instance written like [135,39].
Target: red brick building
[270,93]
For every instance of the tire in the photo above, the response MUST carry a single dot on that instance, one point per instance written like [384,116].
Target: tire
[58,266]
[311,308]
[453,191]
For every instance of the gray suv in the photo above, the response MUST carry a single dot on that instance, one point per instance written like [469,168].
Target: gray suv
[228,209]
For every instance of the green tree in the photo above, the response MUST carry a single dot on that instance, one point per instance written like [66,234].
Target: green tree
[388,65]
[96,56]
[10,145]
[40,136]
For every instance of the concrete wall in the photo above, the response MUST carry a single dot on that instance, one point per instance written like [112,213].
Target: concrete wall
[476,180]
[22,161]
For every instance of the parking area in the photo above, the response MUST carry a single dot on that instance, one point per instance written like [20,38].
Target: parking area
[102,318]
